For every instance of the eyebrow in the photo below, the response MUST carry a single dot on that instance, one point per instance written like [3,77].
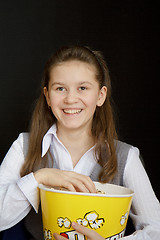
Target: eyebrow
[57,83]
[61,83]
[85,82]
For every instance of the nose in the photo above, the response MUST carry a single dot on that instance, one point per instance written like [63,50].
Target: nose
[71,97]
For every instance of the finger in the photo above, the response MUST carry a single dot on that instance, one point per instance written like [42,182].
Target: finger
[86,180]
[58,237]
[80,187]
[69,186]
[84,183]
[90,184]
[72,181]
[85,231]
[75,186]
[90,234]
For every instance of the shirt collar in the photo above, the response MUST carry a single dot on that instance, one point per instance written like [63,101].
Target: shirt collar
[47,139]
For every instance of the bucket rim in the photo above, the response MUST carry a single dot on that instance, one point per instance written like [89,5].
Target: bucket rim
[129,192]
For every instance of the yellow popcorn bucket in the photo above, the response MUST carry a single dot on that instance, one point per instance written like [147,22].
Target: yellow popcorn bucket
[107,213]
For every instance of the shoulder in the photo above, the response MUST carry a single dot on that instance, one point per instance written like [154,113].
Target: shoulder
[22,137]
[128,154]
[119,143]
[21,142]
[15,155]
[126,150]
[122,147]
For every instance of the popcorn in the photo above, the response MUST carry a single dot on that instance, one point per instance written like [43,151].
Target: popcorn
[101,192]
[64,189]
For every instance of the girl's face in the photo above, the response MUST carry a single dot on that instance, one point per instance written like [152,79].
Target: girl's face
[73,94]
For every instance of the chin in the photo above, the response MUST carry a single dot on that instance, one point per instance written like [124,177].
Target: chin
[72,126]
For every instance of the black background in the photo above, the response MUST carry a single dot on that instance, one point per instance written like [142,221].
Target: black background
[126,31]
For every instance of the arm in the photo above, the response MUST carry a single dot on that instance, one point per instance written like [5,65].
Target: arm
[16,194]
[145,210]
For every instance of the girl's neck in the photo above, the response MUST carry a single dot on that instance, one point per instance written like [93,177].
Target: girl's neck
[74,137]
[77,142]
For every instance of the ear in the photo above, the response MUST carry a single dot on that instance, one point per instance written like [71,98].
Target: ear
[102,96]
[46,94]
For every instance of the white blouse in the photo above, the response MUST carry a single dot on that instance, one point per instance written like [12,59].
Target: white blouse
[18,195]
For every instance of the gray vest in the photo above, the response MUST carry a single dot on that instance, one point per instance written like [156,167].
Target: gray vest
[33,221]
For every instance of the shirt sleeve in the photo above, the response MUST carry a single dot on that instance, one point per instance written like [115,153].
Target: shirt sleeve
[17,195]
[145,209]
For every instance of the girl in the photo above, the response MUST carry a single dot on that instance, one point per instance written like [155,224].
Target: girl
[72,142]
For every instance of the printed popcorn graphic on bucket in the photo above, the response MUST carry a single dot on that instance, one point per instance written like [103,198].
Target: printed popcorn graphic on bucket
[124,219]
[47,234]
[107,214]
[90,219]
[64,222]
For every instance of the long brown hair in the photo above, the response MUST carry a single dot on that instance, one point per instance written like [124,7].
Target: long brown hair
[103,127]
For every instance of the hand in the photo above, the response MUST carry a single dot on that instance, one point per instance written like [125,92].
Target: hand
[90,234]
[70,180]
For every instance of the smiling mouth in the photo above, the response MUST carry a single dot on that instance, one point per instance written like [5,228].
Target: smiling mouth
[72,111]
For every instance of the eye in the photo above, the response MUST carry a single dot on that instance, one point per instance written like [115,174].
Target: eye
[60,89]
[82,88]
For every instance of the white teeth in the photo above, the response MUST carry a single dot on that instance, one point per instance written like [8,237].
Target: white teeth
[72,111]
